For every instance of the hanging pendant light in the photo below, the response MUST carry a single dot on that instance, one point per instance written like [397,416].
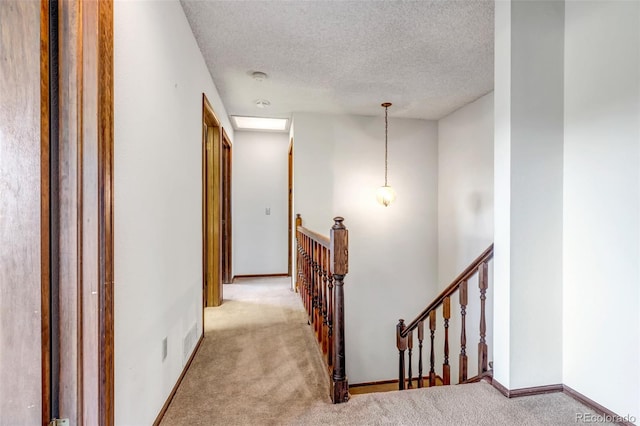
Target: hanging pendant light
[386,194]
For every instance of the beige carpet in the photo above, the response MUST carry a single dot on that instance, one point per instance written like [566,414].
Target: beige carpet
[259,365]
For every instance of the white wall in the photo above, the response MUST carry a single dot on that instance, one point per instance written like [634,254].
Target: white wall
[313,140]
[159,78]
[602,203]
[528,192]
[465,186]
[600,166]
[536,192]
[339,164]
[502,192]
[260,181]
[465,220]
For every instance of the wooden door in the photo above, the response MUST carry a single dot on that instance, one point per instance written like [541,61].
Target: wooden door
[23,256]
[56,255]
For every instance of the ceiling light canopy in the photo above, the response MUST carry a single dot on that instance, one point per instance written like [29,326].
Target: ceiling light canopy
[259,76]
[262,103]
[260,123]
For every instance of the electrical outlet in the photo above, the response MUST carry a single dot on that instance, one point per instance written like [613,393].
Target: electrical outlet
[267,211]
[164,348]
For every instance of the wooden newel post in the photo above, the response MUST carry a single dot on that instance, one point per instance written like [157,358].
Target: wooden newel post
[339,268]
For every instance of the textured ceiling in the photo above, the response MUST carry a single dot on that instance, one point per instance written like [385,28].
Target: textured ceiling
[427,57]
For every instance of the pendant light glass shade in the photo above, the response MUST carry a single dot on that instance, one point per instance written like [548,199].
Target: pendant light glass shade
[386,195]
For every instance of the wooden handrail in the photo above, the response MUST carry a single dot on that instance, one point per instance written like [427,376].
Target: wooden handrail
[451,288]
[322,264]
[404,333]
[323,240]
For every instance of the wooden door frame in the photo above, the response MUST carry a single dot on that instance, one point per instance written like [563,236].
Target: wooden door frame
[45,208]
[82,182]
[211,205]
[290,207]
[226,195]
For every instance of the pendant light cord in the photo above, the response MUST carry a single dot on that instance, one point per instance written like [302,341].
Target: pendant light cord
[386,129]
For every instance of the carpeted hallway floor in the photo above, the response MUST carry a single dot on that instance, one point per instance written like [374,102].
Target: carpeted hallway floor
[259,365]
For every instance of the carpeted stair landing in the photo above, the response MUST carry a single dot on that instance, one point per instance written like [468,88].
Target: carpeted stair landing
[259,365]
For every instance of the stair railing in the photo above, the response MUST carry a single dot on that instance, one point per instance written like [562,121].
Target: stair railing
[404,333]
[322,264]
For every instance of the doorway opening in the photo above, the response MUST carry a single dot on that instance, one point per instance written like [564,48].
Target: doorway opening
[226,209]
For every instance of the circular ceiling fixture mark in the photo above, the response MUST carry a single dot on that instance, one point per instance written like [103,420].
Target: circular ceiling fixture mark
[259,76]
